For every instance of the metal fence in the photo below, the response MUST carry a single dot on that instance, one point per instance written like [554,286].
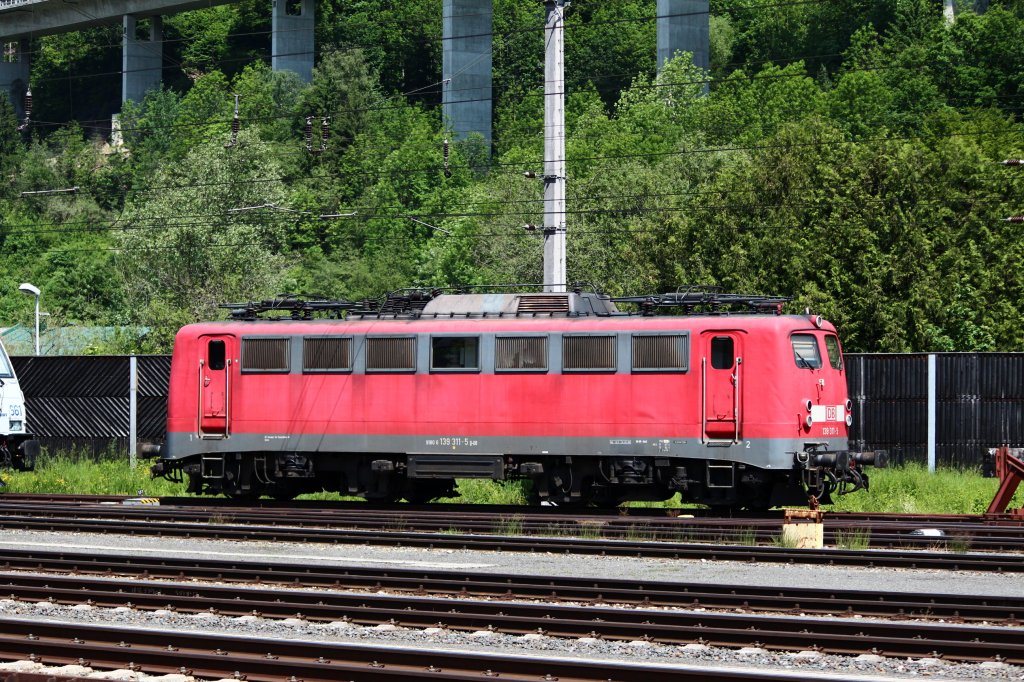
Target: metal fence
[84,402]
[945,408]
[940,408]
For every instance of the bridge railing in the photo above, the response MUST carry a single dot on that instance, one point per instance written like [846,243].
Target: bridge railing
[10,4]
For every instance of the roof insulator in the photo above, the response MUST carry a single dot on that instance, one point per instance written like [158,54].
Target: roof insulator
[236,125]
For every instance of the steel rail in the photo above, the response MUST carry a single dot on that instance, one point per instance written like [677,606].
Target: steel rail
[799,600]
[272,660]
[489,509]
[881,530]
[878,534]
[838,636]
[561,545]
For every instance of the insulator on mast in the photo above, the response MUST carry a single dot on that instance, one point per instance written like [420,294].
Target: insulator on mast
[325,132]
[447,168]
[307,134]
[27,121]
[1013,162]
[1015,219]
[236,125]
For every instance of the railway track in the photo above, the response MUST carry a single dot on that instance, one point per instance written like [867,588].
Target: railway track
[748,599]
[959,533]
[910,559]
[954,642]
[218,656]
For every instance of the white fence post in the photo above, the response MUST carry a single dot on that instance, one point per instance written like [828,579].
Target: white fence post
[932,411]
[133,411]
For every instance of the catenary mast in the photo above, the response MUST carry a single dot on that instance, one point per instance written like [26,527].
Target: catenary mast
[554,146]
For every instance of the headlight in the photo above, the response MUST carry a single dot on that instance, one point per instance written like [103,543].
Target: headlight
[17,425]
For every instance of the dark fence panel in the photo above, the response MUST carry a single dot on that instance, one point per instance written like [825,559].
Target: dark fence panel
[890,403]
[82,402]
[979,404]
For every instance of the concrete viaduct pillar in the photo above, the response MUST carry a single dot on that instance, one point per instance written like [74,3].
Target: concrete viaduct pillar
[684,25]
[14,73]
[142,59]
[466,67]
[291,41]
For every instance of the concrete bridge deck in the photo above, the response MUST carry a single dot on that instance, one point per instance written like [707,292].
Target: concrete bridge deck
[30,18]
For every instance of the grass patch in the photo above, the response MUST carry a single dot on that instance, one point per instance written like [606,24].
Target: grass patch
[509,525]
[64,474]
[480,491]
[745,536]
[784,542]
[858,539]
[908,489]
[911,489]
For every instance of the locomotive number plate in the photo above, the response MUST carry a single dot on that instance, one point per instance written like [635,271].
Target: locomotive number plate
[453,441]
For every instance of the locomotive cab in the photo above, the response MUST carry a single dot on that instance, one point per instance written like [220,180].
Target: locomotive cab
[18,449]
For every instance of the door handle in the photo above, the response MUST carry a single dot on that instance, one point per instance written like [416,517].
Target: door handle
[206,381]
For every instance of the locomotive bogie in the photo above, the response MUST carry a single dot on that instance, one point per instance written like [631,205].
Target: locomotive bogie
[726,410]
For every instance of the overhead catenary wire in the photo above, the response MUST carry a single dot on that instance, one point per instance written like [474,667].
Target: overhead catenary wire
[530,164]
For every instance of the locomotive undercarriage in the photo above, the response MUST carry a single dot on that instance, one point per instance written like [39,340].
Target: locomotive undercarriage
[556,480]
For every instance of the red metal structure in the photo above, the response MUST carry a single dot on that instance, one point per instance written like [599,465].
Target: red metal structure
[1010,472]
[400,399]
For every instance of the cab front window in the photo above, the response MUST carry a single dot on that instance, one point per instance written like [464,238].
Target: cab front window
[5,365]
[835,357]
[805,351]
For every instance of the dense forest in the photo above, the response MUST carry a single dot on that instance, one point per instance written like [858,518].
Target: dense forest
[842,152]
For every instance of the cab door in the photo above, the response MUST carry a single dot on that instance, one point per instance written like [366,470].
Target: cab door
[721,365]
[215,354]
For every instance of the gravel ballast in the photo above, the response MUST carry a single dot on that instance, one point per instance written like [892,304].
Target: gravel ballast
[640,570]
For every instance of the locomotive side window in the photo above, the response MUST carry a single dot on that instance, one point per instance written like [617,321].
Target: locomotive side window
[265,355]
[659,352]
[216,355]
[391,354]
[723,352]
[588,353]
[453,353]
[805,351]
[327,354]
[521,353]
[835,357]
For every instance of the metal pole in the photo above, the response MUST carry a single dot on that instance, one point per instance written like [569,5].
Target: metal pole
[554,146]
[932,412]
[133,410]
[37,325]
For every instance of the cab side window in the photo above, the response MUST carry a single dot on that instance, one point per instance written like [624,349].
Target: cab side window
[805,351]
[835,357]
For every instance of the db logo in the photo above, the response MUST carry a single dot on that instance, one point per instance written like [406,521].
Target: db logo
[830,414]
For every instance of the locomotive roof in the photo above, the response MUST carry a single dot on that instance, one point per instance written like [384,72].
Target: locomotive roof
[509,312]
[439,303]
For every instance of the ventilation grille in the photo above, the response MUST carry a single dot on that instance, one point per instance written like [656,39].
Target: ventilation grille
[660,351]
[326,354]
[588,352]
[543,304]
[521,352]
[265,355]
[391,354]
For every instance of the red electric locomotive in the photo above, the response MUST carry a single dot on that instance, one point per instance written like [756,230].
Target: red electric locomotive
[727,401]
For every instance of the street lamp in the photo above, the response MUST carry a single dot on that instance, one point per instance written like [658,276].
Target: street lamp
[34,291]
